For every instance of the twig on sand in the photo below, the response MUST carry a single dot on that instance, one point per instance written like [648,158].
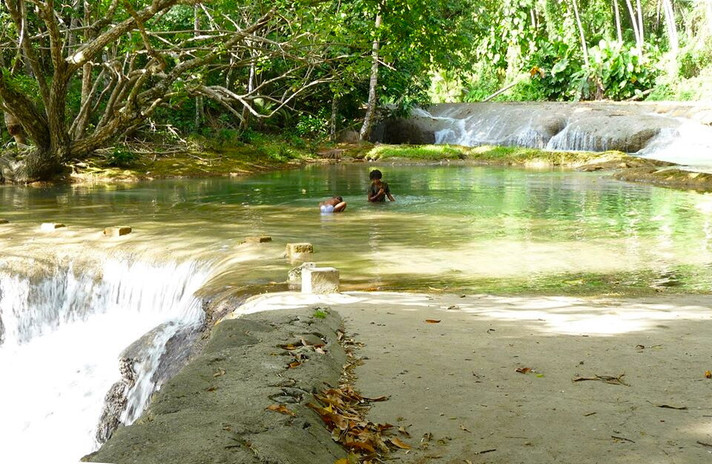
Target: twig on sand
[613,380]
[616,437]
[708,445]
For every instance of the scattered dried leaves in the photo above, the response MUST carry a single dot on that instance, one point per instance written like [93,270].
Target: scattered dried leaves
[298,350]
[524,370]
[343,411]
[432,321]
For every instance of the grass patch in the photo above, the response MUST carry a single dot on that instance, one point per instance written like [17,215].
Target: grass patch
[418,152]
[196,158]
[489,154]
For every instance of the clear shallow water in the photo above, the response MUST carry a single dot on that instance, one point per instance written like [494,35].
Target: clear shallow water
[452,227]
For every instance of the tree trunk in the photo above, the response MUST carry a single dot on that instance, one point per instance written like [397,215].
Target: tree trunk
[15,129]
[619,30]
[634,24]
[670,26]
[582,35]
[640,25]
[365,133]
[199,105]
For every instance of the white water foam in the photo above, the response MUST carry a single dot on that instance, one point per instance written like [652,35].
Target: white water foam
[690,144]
[63,338]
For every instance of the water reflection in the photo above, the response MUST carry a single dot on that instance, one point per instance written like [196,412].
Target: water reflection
[451,226]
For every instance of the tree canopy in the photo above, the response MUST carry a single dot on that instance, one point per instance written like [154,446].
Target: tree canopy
[77,75]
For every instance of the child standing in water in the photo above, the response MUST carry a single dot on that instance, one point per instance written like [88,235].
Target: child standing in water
[378,190]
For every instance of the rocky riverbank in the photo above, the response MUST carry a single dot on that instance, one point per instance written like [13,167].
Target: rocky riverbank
[243,399]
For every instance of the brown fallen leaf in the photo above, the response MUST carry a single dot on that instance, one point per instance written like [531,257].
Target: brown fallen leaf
[402,430]
[293,364]
[524,370]
[282,409]
[432,321]
[399,443]
[708,375]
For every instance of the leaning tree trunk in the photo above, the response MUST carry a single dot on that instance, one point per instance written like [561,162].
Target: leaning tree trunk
[365,133]
[15,129]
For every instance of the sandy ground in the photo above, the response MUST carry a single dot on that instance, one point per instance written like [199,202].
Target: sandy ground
[454,384]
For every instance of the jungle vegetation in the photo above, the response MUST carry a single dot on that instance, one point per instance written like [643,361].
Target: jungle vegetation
[83,75]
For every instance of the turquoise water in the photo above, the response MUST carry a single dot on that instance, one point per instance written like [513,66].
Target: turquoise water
[458,228]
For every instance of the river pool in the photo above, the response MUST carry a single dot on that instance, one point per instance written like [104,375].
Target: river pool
[72,300]
[457,228]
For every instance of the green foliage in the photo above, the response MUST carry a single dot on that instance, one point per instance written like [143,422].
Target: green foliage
[312,126]
[121,157]
[617,71]
[552,70]
[319,313]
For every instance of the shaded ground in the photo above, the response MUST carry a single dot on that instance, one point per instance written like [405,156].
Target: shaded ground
[470,378]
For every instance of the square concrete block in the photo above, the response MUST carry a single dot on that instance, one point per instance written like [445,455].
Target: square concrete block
[117,231]
[260,239]
[299,250]
[320,280]
[294,276]
[50,226]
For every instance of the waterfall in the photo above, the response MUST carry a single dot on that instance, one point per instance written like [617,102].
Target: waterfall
[62,332]
[677,134]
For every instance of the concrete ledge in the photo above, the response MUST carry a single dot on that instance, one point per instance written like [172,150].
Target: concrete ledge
[217,408]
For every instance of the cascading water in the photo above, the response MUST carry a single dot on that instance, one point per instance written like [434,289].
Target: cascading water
[680,135]
[63,332]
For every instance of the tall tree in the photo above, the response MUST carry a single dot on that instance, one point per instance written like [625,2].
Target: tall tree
[129,63]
